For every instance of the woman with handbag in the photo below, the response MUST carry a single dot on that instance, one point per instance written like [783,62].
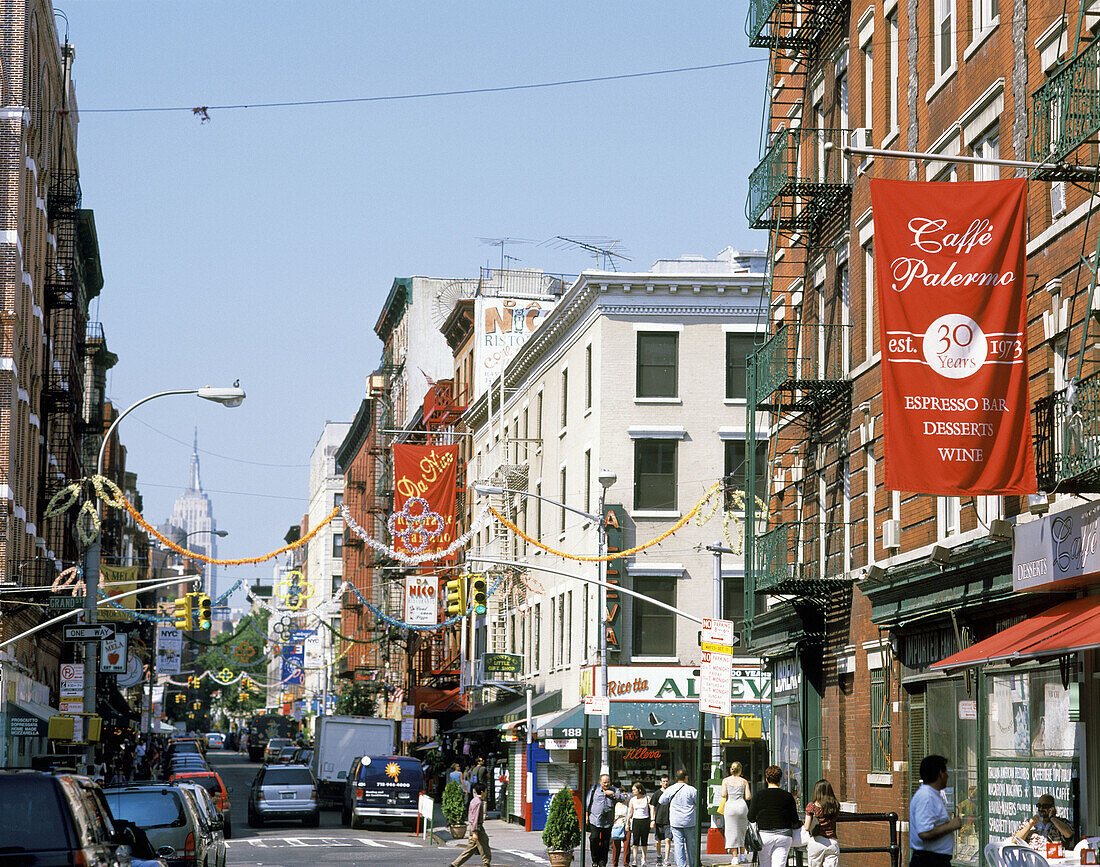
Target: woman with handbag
[822,846]
[776,816]
[735,811]
[620,836]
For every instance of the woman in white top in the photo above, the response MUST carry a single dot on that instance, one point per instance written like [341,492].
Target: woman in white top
[735,789]
[639,819]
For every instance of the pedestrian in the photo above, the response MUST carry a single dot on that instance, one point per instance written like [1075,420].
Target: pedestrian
[735,812]
[639,820]
[455,775]
[822,846]
[1045,826]
[480,773]
[620,834]
[475,820]
[776,816]
[681,799]
[599,805]
[930,825]
[662,832]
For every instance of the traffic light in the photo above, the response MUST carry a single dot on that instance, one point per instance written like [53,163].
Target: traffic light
[180,698]
[205,614]
[456,597]
[183,613]
[478,594]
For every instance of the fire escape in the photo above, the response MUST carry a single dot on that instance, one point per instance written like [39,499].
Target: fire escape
[801,193]
[63,386]
[1065,119]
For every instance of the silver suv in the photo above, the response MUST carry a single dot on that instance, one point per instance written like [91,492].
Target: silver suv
[284,792]
[169,819]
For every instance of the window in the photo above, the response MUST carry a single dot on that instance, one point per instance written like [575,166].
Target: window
[568,628]
[880,723]
[738,348]
[588,480]
[538,511]
[986,13]
[949,508]
[337,500]
[944,36]
[870,310]
[338,544]
[337,580]
[657,355]
[563,634]
[733,599]
[654,628]
[561,499]
[655,474]
[536,638]
[564,398]
[868,83]
[588,377]
[988,147]
[538,417]
[737,467]
[892,71]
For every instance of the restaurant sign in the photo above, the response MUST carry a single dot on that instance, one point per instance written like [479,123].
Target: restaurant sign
[1015,784]
[750,684]
[501,663]
[1060,550]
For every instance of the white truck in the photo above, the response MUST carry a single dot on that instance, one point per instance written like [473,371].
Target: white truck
[338,741]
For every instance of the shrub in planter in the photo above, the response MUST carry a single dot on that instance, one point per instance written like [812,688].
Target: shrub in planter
[563,832]
[454,807]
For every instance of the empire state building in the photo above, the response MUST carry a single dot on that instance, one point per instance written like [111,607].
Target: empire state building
[193,515]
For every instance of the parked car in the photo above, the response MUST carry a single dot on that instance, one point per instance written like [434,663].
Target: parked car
[274,746]
[287,756]
[181,764]
[219,792]
[215,740]
[189,745]
[52,820]
[382,787]
[303,756]
[213,844]
[168,818]
[283,792]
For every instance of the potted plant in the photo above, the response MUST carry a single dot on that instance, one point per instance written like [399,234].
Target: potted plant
[563,829]
[454,809]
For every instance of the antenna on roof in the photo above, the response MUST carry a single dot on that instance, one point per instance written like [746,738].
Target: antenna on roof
[501,242]
[603,249]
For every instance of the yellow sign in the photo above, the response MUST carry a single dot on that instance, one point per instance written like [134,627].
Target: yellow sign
[717,648]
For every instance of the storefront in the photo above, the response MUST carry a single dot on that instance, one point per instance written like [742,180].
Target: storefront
[24,718]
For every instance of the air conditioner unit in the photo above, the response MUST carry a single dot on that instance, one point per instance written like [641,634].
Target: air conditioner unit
[1057,199]
[891,533]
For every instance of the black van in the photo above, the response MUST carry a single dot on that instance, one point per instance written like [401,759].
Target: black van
[382,787]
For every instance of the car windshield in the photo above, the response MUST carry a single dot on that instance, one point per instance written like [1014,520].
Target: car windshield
[27,806]
[151,808]
[288,777]
[186,747]
[278,743]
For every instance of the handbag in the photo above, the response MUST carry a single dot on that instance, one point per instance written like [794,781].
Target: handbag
[815,825]
[722,806]
[618,830]
[752,838]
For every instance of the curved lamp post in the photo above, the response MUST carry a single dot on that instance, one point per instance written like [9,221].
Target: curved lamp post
[231,396]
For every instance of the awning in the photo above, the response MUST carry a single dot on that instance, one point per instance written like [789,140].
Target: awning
[432,702]
[1063,629]
[27,719]
[678,720]
[508,710]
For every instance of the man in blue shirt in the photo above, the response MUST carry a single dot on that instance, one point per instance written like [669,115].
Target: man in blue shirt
[681,799]
[600,806]
[930,826]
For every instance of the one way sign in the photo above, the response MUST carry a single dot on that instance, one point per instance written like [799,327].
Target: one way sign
[97,632]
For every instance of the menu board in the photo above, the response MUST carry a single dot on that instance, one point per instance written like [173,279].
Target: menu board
[1015,784]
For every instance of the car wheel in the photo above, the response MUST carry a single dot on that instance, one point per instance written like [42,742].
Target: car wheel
[228,830]
[356,822]
[313,821]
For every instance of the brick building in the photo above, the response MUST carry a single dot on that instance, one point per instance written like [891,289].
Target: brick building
[855,592]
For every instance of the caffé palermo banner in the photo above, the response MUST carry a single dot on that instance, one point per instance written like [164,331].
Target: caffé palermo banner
[424,474]
[949,262]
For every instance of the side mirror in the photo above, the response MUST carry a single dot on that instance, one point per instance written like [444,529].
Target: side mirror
[229,790]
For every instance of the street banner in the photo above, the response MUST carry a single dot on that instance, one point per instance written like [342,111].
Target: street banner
[314,650]
[950,271]
[424,498]
[294,657]
[169,650]
[112,653]
[114,580]
[421,600]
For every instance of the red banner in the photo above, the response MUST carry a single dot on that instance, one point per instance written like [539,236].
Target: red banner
[949,262]
[424,498]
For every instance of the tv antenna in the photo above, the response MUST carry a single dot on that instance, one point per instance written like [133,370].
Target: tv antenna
[502,243]
[603,250]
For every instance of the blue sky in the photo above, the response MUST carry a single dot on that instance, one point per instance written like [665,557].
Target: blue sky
[261,244]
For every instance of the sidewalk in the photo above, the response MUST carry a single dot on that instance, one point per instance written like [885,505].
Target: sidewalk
[504,835]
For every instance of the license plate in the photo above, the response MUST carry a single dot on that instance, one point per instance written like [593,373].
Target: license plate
[286,796]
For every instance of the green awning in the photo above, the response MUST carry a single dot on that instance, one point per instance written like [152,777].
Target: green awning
[512,709]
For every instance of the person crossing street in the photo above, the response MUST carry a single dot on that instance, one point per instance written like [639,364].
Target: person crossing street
[479,840]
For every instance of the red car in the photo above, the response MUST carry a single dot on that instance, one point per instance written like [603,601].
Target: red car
[219,794]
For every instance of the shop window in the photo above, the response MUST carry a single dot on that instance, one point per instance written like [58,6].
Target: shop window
[880,722]
[654,628]
[655,474]
[738,348]
[657,358]
[787,722]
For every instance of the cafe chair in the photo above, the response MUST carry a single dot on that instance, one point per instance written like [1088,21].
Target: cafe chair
[1021,856]
[993,854]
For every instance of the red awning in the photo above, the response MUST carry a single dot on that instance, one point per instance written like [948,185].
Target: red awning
[1065,628]
[431,702]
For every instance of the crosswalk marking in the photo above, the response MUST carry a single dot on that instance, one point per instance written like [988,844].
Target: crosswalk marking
[374,843]
[521,854]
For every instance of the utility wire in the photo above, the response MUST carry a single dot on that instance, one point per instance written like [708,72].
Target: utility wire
[216,455]
[424,95]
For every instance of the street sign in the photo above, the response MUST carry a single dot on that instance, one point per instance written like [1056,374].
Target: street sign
[501,663]
[96,632]
[65,603]
[113,653]
[597,705]
[715,693]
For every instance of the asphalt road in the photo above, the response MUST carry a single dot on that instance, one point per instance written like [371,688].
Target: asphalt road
[288,844]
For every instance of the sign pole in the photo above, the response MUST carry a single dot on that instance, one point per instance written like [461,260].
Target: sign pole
[584,786]
[699,801]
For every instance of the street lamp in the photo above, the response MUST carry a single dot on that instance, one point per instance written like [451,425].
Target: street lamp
[606,479]
[231,396]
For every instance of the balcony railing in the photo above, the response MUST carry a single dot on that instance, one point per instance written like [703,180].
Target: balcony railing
[802,559]
[806,362]
[1067,439]
[804,180]
[797,24]
[1065,111]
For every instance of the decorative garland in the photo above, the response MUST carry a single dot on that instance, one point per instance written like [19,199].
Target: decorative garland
[608,557]
[393,621]
[737,501]
[161,618]
[412,559]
